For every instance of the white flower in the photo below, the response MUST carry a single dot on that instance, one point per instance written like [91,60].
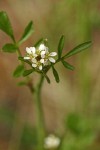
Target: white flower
[31,53]
[42,47]
[30,50]
[40,56]
[51,142]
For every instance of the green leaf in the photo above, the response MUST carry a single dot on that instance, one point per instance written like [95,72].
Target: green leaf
[55,74]
[27,72]
[38,42]
[5,24]
[18,71]
[9,48]
[67,65]
[47,78]
[60,46]
[27,61]
[27,32]
[78,49]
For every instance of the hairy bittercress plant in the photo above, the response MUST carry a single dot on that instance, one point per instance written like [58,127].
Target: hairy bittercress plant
[40,59]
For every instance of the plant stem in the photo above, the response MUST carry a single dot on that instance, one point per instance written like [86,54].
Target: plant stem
[39,113]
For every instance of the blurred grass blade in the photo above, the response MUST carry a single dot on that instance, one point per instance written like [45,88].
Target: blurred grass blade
[18,71]
[38,42]
[73,123]
[27,32]
[27,72]
[21,83]
[9,48]
[78,49]
[55,73]
[27,61]
[5,25]
[60,46]
[67,65]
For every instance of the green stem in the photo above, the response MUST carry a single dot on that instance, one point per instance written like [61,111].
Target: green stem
[39,113]
[19,53]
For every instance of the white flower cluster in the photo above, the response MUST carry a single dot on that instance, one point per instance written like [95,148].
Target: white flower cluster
[51,142]
[40,56]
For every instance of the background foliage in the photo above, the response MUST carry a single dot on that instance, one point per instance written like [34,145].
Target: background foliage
[73,105]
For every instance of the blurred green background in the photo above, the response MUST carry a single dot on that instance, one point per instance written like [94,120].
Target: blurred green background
[73,105]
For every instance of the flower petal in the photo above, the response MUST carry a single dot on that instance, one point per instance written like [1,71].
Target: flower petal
[28,50]
[42,47]
[34,65]
[33,50]
[52,60]
[47,50]
[42,60]
[53,54]
[27,58]
[42,56]
[35,55]
[34,60]
[46,63]
[42,52]
[40,67]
